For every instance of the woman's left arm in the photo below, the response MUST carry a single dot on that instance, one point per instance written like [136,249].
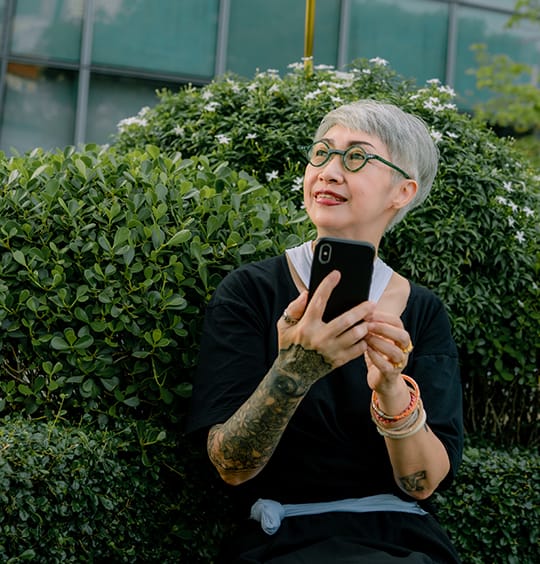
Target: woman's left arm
[419,459]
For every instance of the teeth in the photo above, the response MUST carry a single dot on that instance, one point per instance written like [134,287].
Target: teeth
[323,196]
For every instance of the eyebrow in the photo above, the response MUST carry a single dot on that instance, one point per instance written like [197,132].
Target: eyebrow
[351,143]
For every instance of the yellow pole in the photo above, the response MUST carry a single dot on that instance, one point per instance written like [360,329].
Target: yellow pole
[308,36]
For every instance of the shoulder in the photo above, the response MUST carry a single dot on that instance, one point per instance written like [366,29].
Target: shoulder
[252,282]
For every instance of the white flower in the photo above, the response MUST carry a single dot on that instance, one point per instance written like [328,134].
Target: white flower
[273,88]
[436,135]
[366,71]
[298,184]
[272,175]
[452,135]
[211,106]
[251,136]
[528,212]
[143,111]
[502,200]
[433,81]
[511,221]
[447,90]
[295,66]
[223,139]
[508,186]
[323,67]
[252,87]
[125,123]
[513,207]
[520,236]
[178,131]
[378,61]
[336,99]
[207,94]
[346,77]
[312,95]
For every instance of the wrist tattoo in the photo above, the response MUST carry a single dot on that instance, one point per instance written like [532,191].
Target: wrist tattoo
[303,366]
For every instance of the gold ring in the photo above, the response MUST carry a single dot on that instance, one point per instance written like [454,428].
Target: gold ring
[288,319]
[408,348]
[400,364]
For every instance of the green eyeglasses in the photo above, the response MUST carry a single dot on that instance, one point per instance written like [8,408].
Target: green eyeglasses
[354,158]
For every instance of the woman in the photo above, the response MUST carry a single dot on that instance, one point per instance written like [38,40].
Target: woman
[332,433]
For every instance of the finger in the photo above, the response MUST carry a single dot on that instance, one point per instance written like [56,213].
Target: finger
[384,363]
[397,335]
[392,352]
[320,297]
[384,317]
[295,310]
[352,318]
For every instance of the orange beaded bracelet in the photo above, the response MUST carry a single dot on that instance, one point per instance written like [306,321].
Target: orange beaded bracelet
[387,419]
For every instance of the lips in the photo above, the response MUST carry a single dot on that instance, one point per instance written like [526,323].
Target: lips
[328,197]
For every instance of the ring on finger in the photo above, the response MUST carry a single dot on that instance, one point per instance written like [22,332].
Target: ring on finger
[401,364]
[408,348]
[288,319]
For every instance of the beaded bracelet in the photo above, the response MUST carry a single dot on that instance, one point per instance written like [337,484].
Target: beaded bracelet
[415,396]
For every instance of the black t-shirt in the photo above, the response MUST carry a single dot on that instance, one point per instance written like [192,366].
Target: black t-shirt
[331,449]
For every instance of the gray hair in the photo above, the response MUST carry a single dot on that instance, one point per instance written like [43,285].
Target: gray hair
[405,136]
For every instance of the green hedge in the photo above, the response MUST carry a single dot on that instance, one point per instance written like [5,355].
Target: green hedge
[492,512]
[77,494]
[475,241]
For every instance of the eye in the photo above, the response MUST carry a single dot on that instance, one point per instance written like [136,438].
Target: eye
[356,154]
[318,153]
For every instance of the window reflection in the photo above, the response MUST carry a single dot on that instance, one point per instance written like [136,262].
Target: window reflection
[112,99]
[49,28]
[39,108]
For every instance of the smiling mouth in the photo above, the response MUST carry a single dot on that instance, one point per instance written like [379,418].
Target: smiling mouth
[329,197]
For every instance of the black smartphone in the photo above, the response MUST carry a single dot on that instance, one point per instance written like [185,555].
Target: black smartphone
[354,259]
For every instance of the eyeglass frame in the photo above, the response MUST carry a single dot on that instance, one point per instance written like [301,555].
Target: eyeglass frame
[367,157]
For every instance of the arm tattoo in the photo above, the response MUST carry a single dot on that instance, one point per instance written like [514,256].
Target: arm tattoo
[412,483]
[247,440]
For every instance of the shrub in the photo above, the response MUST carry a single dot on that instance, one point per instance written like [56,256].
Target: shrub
[76,494]
[475,241]
[107,261]
[492,512]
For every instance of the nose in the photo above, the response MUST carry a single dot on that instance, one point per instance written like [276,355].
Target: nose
[333,170]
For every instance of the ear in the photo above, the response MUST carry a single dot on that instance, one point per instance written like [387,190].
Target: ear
[405,192]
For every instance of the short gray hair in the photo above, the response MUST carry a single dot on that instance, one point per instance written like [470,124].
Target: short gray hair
[405,136]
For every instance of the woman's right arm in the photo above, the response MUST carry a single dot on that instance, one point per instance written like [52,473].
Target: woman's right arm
[240,447]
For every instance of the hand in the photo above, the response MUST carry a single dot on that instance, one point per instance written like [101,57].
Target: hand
[306,341]
[388,348]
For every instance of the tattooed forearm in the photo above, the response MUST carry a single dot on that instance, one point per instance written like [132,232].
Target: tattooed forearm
[412,483]
[246,441]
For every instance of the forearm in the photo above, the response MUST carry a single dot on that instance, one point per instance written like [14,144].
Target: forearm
[419,461]
[241,447]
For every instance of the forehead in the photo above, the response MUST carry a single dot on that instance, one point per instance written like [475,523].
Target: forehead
[341,137]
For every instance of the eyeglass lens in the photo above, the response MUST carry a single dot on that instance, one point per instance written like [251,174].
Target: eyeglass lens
[353,158]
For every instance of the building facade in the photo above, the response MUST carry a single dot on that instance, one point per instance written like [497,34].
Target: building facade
[70,70]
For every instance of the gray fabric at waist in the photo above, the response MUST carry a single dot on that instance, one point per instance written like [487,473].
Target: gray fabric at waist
[270,513]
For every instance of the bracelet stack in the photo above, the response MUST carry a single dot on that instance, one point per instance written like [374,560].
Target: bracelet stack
[406,423]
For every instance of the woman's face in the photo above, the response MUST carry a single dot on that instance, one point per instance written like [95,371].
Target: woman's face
[354,205]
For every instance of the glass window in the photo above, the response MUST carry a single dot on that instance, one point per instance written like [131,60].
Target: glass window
[520,43]
[49,28]
[2,7]
[410,35]
[112,99]
[270,35]
[39,108]
[175,37]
